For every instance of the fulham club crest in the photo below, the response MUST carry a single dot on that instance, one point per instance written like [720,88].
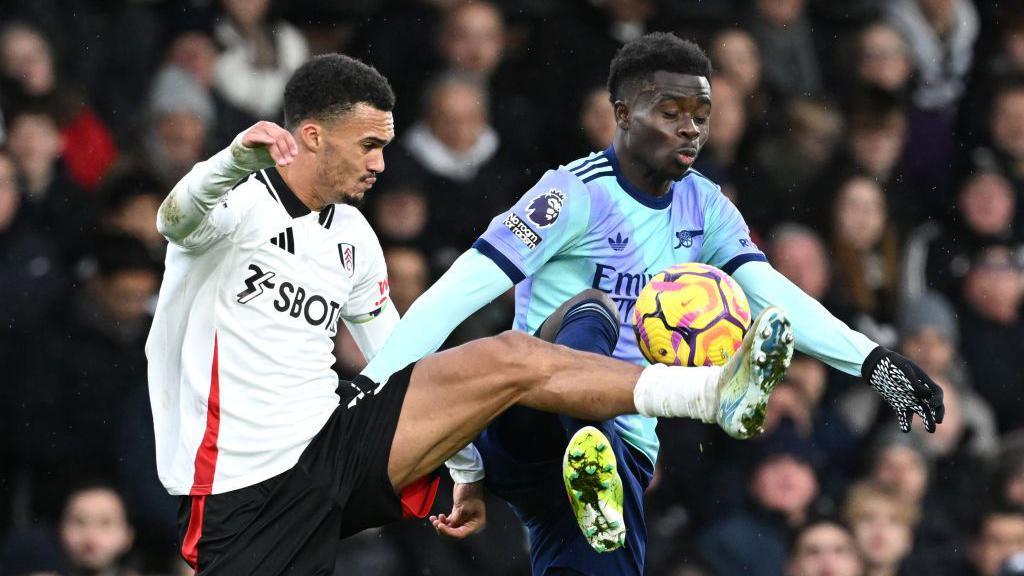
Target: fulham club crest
[347,252]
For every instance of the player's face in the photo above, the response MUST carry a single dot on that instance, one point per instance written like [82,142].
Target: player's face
[353,154]
[668,122]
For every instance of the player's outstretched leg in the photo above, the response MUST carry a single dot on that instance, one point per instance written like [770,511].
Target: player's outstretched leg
[749,377]
[454,394]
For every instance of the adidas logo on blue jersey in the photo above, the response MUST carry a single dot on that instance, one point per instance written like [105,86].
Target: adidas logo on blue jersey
[618,243]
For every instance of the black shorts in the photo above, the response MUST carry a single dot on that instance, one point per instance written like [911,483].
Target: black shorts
[293,523]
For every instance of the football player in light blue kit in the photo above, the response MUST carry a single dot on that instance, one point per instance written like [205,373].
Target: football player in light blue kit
[598,228]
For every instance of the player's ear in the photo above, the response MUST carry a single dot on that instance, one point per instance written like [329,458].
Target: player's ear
[311,135]
[622,112]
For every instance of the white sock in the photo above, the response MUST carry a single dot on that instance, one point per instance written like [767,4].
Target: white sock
[678,392]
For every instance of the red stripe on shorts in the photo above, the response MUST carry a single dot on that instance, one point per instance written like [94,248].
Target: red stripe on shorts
[190,543]
[418,497]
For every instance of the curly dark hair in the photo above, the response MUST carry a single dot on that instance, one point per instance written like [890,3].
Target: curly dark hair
[651,53]
[329,85]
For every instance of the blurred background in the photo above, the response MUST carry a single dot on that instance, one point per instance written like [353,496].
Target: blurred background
[876,148]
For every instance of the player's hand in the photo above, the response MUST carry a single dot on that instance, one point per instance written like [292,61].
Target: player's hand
[469,513]
[906,388]
[272,140]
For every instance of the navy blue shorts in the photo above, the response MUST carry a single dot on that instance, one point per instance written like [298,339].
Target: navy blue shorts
[535,490]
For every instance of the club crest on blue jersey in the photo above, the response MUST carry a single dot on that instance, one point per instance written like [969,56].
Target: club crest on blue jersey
[545,208]
[686,237]
[347,252]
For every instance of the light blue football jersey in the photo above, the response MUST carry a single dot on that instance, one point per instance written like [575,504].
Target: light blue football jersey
[585,226]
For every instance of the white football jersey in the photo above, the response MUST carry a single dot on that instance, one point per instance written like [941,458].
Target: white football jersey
[241,347]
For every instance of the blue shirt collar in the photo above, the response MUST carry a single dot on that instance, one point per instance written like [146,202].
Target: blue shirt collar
[656,202]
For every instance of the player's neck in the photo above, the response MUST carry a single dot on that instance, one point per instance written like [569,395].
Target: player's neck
[301,179]
[637,173]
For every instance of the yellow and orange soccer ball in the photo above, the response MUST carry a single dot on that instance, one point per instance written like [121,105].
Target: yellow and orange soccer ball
[691,315]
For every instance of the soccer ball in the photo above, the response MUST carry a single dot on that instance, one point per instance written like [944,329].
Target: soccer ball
[690,315]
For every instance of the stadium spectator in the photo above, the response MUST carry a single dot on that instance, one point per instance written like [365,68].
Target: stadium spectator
[472,40]
[103,353]
[801,398]
[900,466]
[95,533]
[597,121]
[259,54]
[1010,59]
[799,253]
[570,53]
[782,488]
[866,256]
[408,275]
[991,315]
[720,158]
[32,292]
[786,44]
[1008,478]
[1007,128]
[181,114]
[30,76]
[882,60]
[455,154]
[883,528]
[938,256]
[929,335]
[824,547]
[874,142]
[131,198]
[195,52]
[998,536]
[400,215]
[735,56]
[52,202]
[940,35]
[787,163]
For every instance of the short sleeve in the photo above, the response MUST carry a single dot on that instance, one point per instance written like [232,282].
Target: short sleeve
[549,218]
[370,291]
[727,243]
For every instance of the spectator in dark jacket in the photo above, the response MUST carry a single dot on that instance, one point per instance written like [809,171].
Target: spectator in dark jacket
[993,332]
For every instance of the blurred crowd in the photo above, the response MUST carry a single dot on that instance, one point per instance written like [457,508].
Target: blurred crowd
[876,148]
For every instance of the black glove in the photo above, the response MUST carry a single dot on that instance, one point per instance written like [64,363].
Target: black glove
[906,388]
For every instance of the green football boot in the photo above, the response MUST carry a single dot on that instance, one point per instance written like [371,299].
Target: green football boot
[595,489]
[749,377]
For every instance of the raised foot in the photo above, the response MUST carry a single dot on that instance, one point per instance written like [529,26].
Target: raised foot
[750,376]
[594,487]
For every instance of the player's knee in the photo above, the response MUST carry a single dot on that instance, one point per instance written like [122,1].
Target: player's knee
[517,354]
[602,298]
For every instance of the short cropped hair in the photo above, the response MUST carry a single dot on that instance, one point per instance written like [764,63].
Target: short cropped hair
[329,85]
[860,494]
[658,51]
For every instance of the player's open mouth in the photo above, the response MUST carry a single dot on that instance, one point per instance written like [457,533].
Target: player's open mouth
[687,155]
[369,182]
